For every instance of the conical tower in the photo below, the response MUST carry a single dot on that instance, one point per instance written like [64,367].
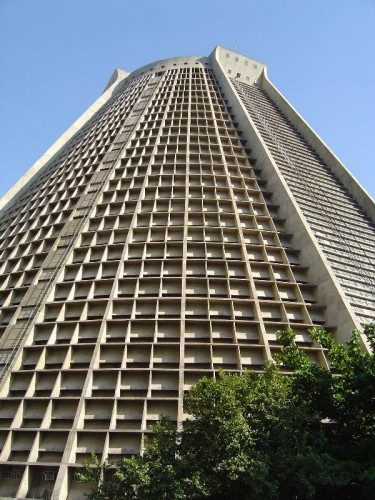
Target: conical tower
[187,216]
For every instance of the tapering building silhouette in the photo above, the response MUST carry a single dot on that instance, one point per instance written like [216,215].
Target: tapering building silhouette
[187,216]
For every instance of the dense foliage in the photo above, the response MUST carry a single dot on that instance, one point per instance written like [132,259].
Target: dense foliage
[310,435]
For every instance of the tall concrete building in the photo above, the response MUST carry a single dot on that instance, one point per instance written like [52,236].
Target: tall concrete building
[188,215]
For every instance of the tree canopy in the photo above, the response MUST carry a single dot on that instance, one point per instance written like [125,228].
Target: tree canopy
[308,435]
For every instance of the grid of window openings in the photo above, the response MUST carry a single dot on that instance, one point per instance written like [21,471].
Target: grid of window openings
[49,213]
[343,230]
[183,267]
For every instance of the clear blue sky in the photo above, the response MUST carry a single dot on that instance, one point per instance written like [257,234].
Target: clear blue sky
[57,55]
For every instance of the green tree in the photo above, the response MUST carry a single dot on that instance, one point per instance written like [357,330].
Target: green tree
[342,400]
[309,435]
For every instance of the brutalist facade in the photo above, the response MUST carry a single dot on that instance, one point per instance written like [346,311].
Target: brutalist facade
[187,216]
